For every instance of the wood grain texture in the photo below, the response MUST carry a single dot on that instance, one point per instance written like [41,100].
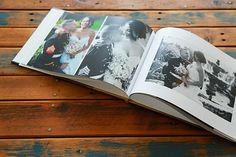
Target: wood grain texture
[44,87]
[157,18]
[118,5]
[119,147]
[216,36]
[43,116]
[9,69]
[21,119]
[15,37]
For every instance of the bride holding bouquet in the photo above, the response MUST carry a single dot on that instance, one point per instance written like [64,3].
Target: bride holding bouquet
[193,78]
[126,54]
[75,50]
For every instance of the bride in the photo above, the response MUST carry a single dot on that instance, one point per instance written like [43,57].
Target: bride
[193,80]
[79,42]
[127,54]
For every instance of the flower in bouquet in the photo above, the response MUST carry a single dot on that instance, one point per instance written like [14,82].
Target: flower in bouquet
[119,67]
[73,47]
[181,70]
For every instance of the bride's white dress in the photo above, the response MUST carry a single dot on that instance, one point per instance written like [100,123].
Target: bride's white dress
[73,63]
[121,67]
[190,91]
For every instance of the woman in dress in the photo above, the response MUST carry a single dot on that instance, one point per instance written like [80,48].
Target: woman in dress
[80,40]
[193,80]
[135,35]
[126,54]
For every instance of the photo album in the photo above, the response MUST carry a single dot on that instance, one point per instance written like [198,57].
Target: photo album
[171,71]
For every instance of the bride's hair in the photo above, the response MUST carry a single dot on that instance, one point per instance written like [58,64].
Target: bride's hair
[67,22]
[199,56]
[91,20]
[137,29]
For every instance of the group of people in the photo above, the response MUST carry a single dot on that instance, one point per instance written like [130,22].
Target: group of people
[64,50]
[115,55]
[185,74]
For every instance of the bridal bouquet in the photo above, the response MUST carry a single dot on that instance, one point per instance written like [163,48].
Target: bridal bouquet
[181,70]
[73,47]
[119,67]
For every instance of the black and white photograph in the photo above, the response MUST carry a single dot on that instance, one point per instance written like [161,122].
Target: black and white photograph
[67,43]
[116,51]
[196,75]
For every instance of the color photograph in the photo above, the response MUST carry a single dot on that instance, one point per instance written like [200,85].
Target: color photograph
[67,43]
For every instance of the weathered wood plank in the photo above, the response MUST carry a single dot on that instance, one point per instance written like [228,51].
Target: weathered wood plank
[223,36]
[157,18]
[8,68]
[216,36]
[86,118]
[18,36]
[119,147]
[14,36]
[44,87]
[119,4]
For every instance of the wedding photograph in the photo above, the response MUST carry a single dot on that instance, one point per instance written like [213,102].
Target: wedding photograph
[67,43]
[116,52]
[196,75]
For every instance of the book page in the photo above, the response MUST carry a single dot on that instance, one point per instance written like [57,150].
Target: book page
[108,49]
[37,38]
[116,52]
[62,48]
[192,74]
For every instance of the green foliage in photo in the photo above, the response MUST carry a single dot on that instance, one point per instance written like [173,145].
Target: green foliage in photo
[36,54]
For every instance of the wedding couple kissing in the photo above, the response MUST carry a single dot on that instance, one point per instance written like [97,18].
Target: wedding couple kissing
[65,48]
[114,56]
[185,74]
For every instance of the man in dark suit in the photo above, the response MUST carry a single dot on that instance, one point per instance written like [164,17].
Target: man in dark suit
[169,70]
[96,62]
[53,48]
[99,56]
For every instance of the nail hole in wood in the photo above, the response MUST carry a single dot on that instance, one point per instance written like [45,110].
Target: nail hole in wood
[158,18]
[222,33]
[223,39]
[31,13]
[159,12]
[31,19]
[79,151]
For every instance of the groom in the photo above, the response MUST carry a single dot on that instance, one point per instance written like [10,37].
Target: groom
[99,56]
[54,46]
[169,70]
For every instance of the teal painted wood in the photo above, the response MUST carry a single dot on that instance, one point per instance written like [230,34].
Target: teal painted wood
[3,19]
[119,4]
[152,18]
[119,147]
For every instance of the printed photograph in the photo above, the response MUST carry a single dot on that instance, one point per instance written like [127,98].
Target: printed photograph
[191,72]
[67,43]
[116,51]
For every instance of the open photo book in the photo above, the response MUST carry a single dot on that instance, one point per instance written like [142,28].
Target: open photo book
[171,71]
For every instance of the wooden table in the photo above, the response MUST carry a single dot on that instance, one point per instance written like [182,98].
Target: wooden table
[43,116]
